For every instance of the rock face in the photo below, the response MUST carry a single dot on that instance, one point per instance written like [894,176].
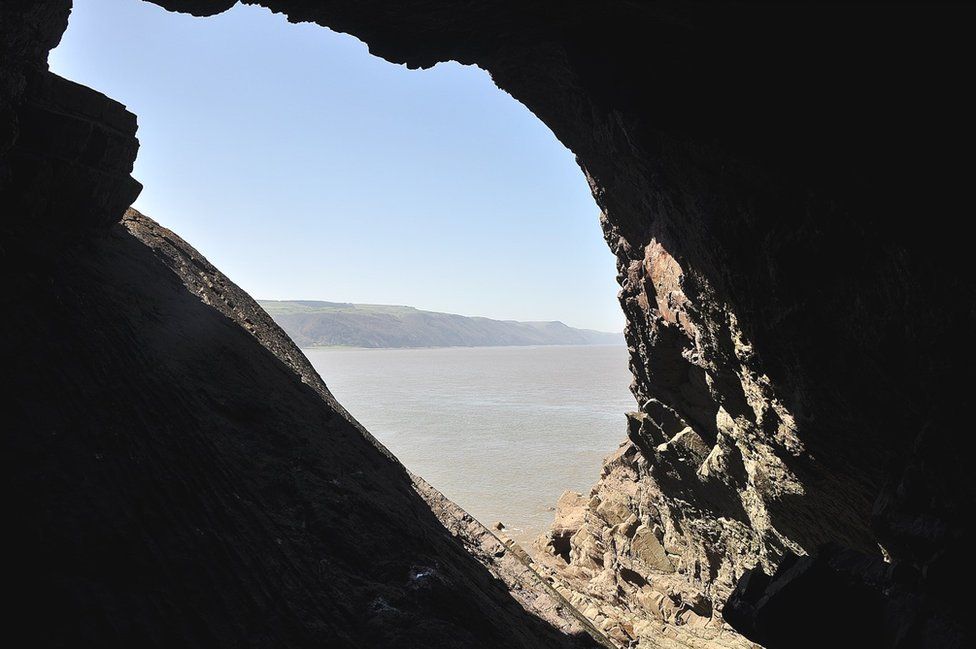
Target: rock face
[783,188]
[608,553]
[198,486]
[880,602]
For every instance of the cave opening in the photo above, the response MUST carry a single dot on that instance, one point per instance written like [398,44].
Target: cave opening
[312,172]
[779,187]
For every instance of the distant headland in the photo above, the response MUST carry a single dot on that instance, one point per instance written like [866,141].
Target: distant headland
[323,324]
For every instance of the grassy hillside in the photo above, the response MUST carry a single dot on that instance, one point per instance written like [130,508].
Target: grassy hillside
[316,324]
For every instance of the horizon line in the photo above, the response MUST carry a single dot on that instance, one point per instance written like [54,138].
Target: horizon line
[415,308]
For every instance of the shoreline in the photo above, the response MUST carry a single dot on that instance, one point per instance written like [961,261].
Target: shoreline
[355,348]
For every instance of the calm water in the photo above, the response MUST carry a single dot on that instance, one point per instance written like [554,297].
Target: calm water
[502,431]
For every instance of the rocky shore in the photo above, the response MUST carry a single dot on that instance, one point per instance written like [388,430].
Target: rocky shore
[608,553]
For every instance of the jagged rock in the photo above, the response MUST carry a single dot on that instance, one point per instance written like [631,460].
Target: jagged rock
[570,509]
[614,508]
[649,550]
[623,565]
[689,447]
[586,550]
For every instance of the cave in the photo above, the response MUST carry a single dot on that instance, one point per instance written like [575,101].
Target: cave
[784,189]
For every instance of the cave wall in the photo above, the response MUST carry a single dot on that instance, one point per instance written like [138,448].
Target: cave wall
[784,188]
[178,476]
[175,473]
[781,187]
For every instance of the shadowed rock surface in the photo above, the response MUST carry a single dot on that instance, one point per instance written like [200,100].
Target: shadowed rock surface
[783,188]
[881,602]
[198,487]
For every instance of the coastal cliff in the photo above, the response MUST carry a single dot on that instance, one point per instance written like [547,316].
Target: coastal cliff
[311,323]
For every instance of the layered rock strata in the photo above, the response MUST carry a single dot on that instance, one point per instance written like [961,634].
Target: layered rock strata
[616,557]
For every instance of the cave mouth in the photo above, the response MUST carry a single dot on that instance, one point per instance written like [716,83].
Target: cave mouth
[717,176]
[430,188]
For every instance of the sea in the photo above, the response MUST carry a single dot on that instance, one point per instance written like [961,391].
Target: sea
[501,431]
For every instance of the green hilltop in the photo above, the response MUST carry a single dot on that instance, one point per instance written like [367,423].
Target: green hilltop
[312,323]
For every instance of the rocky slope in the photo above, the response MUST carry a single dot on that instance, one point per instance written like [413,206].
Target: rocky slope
[615,557]
[212,493]
[313,323]
[783,186]
[611,555]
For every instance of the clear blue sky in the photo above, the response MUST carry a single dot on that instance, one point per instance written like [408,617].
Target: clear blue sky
[306,168]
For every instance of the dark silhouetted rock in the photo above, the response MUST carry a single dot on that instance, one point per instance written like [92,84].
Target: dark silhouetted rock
[198,486]
[840,597]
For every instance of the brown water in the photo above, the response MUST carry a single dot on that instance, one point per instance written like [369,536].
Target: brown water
[502,431]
